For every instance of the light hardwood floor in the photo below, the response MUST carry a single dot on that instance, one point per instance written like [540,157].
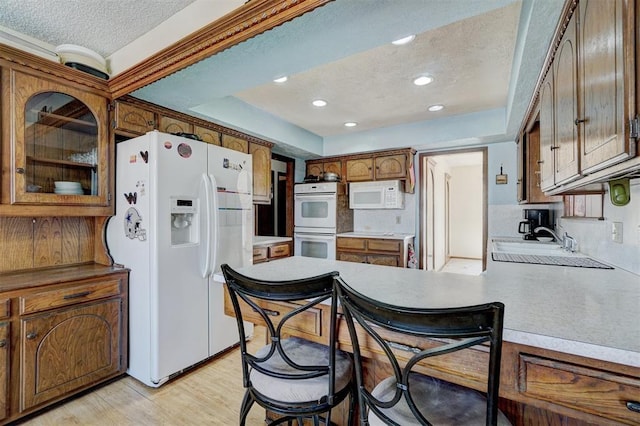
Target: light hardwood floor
[208,395]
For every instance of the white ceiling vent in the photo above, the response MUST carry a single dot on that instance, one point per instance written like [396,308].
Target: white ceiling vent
[83,59]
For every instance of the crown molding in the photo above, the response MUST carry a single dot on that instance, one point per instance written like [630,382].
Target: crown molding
[249,20]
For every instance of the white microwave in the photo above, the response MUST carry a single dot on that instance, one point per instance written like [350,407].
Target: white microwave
[382,194]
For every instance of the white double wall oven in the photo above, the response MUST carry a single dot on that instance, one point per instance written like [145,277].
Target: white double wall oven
[316,219]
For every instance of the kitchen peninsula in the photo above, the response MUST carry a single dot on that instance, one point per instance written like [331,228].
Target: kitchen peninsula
[572,344]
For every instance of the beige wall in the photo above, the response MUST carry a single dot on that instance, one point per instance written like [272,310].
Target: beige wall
[466,212]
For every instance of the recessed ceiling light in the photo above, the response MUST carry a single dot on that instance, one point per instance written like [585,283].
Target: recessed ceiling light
[319,103]
[434,108]
[281,79]
[350,124]
[403,40]
[423,80]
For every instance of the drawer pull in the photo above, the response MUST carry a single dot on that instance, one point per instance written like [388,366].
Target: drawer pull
[400,346]
[77,295]
[3,343]
[633,406]
[268,312]
[32,335]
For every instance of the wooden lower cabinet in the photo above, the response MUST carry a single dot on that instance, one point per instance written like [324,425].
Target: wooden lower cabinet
[5,340]
[267,252]
[68,333]
[67,350]
[537,386]
[375,251]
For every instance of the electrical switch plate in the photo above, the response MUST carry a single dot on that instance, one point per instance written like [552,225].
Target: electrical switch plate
[616,232]
[397,220]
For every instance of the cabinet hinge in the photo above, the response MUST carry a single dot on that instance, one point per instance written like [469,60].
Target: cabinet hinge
[633,127]
[109,196]
[111,106]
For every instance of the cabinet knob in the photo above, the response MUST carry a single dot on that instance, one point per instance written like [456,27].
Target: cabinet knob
[633,406]
[578,121]
[3,343]
[32,335]
[20,170]
[554,147]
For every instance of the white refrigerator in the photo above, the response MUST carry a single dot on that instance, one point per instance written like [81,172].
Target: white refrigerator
[183,208]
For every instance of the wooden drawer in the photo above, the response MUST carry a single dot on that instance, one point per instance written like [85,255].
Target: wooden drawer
[375,259]
[51,299]
[279,250]
[586,389]
[259,254]
[308,322]
[392,246]
[5,308]
[351,243]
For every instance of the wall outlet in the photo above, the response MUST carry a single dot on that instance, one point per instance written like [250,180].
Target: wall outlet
[616,232]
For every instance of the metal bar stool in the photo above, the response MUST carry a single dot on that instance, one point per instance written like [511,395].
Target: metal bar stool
[290,376]
[409,397]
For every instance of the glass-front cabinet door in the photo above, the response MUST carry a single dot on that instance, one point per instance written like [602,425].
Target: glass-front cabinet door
[60,147]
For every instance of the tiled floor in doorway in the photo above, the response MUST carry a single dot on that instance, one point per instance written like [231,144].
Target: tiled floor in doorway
[457,265]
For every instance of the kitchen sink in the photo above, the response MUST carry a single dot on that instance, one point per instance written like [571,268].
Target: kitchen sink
[532,247]
[539,253]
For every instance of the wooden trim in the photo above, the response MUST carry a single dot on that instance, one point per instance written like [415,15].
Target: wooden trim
[27,62]
[247,21]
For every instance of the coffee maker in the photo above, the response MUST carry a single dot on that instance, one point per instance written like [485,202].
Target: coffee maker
[534,218]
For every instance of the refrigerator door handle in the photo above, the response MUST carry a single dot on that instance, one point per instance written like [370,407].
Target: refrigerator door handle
[205,247]
[215,213]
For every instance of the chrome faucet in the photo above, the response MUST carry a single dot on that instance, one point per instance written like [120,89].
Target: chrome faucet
[568,242]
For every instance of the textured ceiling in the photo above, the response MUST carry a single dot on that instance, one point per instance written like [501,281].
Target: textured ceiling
[470,61]
[103,26]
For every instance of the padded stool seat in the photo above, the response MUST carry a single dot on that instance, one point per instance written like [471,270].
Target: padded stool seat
[435,398]
[301,352]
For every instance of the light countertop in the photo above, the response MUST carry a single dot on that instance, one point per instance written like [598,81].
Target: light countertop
[382,235]
[262,240]
[582,311]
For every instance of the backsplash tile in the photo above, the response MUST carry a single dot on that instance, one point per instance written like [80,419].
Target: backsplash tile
[594,236]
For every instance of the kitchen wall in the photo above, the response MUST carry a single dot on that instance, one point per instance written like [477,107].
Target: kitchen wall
[391,220]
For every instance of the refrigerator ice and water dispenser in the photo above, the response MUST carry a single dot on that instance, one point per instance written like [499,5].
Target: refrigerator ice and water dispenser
[184,221]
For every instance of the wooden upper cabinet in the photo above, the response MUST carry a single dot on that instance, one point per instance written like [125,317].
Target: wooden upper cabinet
[531,181]
[567,163]
[603,27]
[319,168]
[174,125]
[588,98]
[207,135]
[58,133]
[391,167]
[235,143]
[360,169]
[547,134]
[315,169]
[133,119]
[261,157]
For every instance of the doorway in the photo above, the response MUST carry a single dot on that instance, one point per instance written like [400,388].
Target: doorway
[276,218]
[453,211]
